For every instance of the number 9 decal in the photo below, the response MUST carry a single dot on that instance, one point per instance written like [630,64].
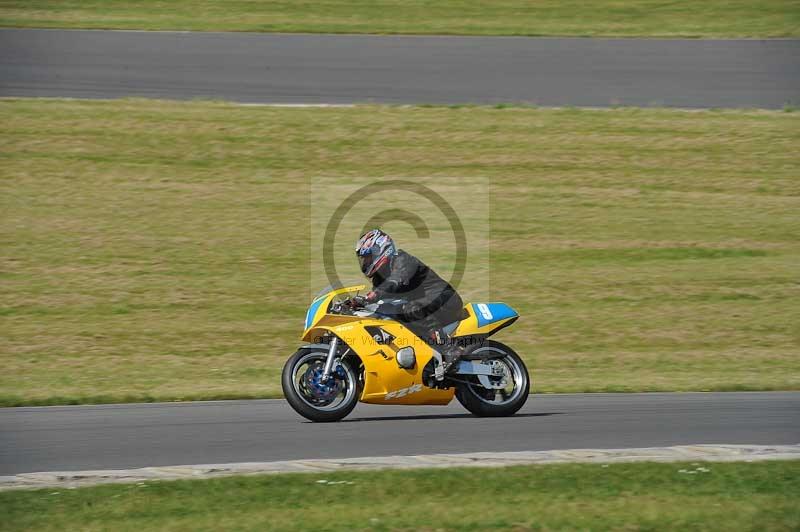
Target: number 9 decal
[484,310]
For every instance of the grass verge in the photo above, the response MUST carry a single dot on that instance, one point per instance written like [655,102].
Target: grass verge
[642,496]
[159,250]
[635,18]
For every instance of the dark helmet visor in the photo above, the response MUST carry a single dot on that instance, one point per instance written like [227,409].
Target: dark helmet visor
[365,261]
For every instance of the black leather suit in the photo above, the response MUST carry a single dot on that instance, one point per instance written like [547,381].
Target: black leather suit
[432,302]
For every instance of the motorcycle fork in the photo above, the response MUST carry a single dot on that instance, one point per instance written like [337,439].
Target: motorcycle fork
[326,373]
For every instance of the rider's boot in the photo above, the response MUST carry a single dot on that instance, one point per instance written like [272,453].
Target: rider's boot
[451,351]
[452,354]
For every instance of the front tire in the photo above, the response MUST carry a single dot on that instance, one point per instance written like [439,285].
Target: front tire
[499,402]
[320,402]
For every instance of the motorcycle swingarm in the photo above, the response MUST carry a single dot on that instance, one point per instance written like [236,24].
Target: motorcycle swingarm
[470,367]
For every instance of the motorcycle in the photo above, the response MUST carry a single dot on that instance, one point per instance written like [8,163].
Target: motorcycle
[358,351]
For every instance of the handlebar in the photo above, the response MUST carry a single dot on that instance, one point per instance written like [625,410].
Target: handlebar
[357,301]
[361,302]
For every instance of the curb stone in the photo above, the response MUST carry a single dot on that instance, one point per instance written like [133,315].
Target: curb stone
[679,453]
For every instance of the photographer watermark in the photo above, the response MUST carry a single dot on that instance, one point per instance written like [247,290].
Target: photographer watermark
[444,222]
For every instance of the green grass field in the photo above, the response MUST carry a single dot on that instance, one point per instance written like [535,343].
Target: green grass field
[633,18]
[160,250]
[645,496]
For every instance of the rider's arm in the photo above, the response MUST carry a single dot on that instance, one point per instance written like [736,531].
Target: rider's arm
[404,266]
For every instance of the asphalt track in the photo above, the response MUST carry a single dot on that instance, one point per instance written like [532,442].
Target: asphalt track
[139,435]
[353,69]
[342,69]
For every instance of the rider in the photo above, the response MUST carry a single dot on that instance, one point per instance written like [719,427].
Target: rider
[431,302]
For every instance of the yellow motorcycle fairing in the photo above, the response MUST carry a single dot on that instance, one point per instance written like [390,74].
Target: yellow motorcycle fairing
[319,307]
[385,382]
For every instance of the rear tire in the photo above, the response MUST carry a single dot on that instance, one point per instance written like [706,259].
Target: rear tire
[302,403]
[478,399]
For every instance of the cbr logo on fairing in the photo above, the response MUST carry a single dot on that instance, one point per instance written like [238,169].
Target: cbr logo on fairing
[402,392]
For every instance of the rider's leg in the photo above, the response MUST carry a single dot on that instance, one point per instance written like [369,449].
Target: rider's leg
[430,329]
[450,349]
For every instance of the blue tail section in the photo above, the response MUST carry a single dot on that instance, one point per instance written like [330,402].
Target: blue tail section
[492,312]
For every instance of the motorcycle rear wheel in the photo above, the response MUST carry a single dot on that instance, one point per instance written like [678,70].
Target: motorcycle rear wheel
[321,403]
[484,402]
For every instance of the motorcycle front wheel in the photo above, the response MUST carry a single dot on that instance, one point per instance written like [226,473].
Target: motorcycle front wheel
[508,390]
[312,398]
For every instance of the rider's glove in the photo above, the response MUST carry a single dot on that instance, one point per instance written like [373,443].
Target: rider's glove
[372,296]
[356,302]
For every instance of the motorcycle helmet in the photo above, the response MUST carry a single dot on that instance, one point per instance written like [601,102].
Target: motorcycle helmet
[374,250]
